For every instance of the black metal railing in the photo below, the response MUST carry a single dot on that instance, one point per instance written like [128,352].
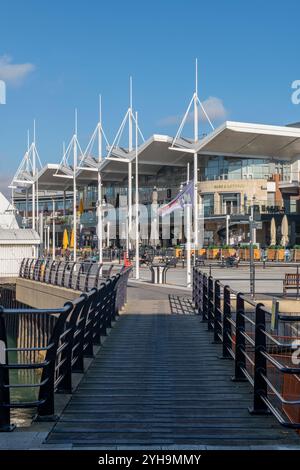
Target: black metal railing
[264,345]
[82,276]
[55,342]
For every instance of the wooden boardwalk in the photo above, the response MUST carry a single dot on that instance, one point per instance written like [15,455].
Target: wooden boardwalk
[158,381]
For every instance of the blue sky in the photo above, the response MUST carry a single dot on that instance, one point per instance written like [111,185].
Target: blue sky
[58,55]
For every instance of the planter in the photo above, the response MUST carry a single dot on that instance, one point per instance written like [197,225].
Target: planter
[275,254]
[280,254]
[213,253]
[245,254]
[226,252]
[296,254]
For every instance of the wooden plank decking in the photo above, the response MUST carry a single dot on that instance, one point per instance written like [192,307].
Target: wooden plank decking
[158,381]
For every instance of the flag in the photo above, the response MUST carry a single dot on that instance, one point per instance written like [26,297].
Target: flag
[185,196]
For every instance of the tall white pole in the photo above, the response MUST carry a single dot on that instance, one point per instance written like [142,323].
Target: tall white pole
[33,177]
[137,241]
[130,148]
[48,239]
[53,229]
[227,229]
[129,200]
[188,245]
[74,188]
[196,137]
[99,206]
[108,233]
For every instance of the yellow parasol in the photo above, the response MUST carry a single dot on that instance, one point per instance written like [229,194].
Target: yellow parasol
[65,239]
[81,207]
[72,239]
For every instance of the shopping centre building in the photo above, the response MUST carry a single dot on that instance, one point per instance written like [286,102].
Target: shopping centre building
[241,168]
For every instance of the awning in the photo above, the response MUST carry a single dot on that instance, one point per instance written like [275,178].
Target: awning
[252,140]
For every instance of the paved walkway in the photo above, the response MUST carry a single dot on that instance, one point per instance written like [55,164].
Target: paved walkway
[158,381]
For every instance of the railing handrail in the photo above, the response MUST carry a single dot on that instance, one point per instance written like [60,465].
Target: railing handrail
[78,326]
[224,322]
[68,274]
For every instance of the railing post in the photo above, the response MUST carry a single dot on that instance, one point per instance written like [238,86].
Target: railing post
[87,277]
[71,275]
[64,274]
[45,270]
[40,270]
[217,313]
[260,363]
[21,272]
[240,342]
[226,324]
[45,411]
[65,370]
[56,273]
[5,425]
[204,297]
[81,268]
[210,303]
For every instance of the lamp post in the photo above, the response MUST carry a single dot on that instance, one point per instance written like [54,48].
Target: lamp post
[53,229]
[252,266]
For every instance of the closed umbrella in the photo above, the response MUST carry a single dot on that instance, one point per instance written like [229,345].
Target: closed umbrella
[81,207]
[72,240]
[284,231]
[65,239]
[273,232]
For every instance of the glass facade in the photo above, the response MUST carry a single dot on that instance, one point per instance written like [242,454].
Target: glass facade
[230,168]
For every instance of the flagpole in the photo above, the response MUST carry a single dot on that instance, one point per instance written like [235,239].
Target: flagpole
[137,251]
[188,245]
[100,241]
[53,229]
[74,189]
[130,147]
[196,137]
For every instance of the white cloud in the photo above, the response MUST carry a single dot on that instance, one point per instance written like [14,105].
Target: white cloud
[213,106]
[14,73]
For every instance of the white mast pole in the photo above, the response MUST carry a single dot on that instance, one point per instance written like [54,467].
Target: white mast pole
[37,182]
[33,177]
[99,208]
[137,241]
[188,237]
[108,233]
[53,229]
[130,147]
[188,245]
[74,187]
[196,137]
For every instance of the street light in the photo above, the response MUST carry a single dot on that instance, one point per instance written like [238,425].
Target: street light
[252,266]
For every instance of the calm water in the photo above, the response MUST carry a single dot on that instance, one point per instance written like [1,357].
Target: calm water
[19,416]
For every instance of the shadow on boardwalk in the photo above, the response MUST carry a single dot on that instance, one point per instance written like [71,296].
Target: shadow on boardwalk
[158,382]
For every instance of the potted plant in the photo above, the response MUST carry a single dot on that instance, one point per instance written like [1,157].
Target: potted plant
[213,251]
[245,252]
[296,254]
[178,251]
[275,253]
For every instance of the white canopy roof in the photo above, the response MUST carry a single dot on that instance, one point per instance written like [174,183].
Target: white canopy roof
[253,140]
[19,237]
[230,139]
